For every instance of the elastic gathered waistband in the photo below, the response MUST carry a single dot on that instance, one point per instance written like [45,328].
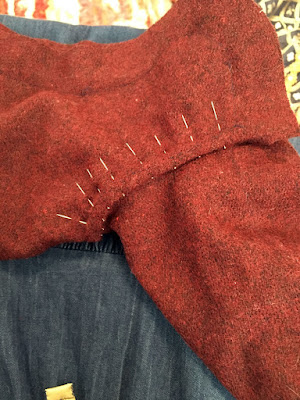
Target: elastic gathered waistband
[111,243]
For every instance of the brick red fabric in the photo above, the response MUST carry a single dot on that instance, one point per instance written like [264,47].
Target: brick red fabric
[178,141]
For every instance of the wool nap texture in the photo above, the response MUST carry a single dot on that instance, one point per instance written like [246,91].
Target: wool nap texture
[178,141]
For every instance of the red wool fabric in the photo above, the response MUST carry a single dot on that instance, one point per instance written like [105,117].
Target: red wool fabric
[178,141]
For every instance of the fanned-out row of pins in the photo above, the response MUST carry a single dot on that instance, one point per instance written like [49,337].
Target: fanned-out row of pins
[130,148]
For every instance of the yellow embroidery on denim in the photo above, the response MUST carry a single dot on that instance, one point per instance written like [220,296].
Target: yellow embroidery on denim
[63,392]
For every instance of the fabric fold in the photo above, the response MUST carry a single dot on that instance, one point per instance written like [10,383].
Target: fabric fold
[217,247]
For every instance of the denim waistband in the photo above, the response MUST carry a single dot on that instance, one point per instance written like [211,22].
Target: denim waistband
[111,243]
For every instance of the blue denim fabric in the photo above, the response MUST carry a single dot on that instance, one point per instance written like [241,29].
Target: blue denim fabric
[77,314]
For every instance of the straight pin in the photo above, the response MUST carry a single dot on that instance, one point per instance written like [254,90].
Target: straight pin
[192,138]
[104,164]
[212,104]
[82,222]
[84,194]
[157,140]
[91,203]
[130,148]
[89,173]
[63,216]
[80,188]
[184,121]
[132,151]
[98,190]
[293,391]
[112,177]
